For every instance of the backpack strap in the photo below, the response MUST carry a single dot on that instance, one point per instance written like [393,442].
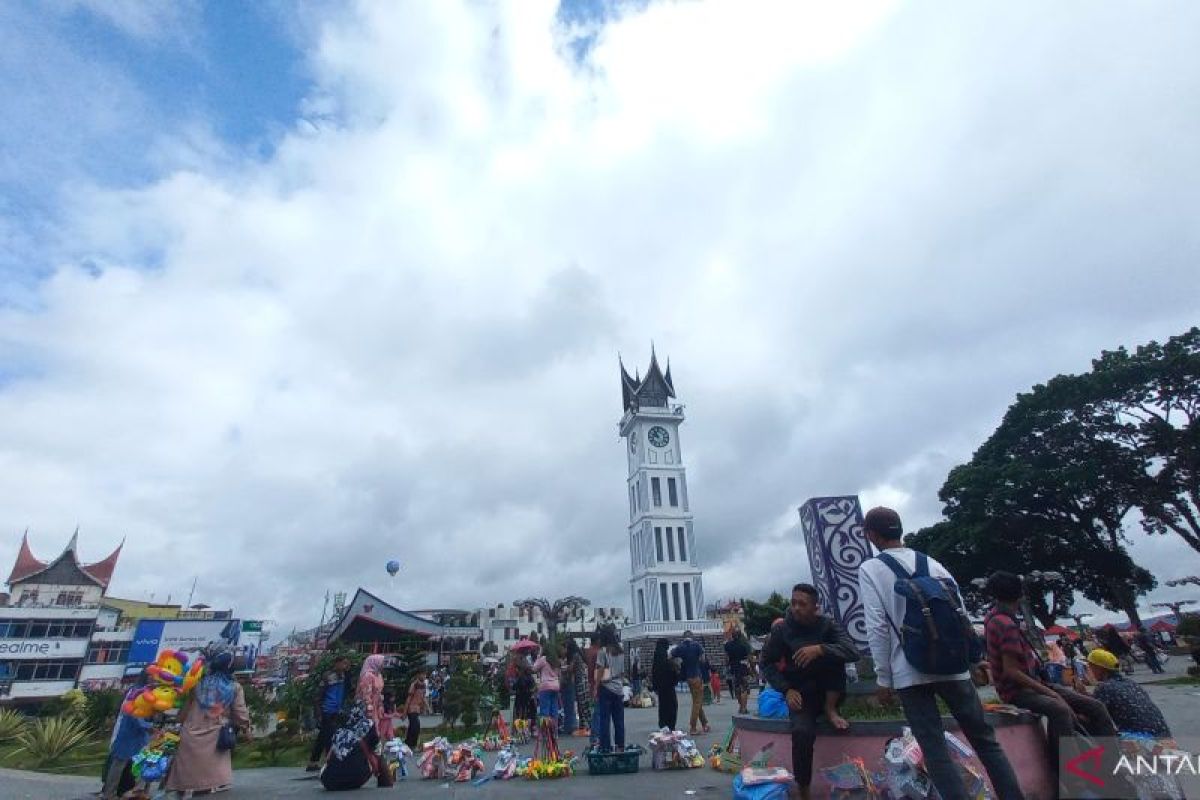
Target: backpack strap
[922,566]
[894,566]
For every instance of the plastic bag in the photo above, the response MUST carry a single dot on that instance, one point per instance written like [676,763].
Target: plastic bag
[771,704]
[761,791]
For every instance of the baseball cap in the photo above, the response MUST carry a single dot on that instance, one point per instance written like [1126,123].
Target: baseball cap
[1103,659]
[883,521]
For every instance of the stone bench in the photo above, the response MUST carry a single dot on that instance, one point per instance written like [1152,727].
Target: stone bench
[1021,737]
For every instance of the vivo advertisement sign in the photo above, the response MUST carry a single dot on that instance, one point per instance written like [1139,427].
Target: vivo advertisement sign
[190,635]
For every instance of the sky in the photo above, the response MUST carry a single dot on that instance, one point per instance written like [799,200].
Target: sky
[290,290]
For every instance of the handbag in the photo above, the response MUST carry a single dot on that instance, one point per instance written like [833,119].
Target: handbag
[226,737]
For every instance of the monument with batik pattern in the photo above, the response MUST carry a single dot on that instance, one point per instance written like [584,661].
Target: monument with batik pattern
[837,546]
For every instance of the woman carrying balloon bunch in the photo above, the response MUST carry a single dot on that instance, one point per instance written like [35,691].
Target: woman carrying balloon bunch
[215,712]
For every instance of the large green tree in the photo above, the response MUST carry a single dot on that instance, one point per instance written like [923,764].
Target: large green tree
[1148,403]
[1055,484]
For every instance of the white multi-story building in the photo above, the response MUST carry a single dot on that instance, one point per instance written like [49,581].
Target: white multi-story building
[46,629]
[666,583]
[505,625]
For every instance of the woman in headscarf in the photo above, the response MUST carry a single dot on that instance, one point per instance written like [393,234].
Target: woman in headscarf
[352,759]
[370,690]
[199,765]
[663,677]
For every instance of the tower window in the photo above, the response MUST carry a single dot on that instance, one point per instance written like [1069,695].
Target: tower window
[658,543]
[632,503]
[671,493]
[665,611]
[641,606]
[653,457]
[639,495]
[682,546]
[656,491]
[687,599]
[675,597]
[670,546]
[670,459]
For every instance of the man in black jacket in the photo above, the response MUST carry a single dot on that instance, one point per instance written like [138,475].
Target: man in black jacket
[805,660]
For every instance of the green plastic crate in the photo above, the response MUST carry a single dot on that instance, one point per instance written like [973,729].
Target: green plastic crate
[618,762]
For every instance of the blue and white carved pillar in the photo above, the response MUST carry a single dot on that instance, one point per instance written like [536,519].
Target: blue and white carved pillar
[836,548]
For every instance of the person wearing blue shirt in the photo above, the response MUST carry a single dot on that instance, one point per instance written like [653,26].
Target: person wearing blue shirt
[332,696]
[689,652]
[131,736]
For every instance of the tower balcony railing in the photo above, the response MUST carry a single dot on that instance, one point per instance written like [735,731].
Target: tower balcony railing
[673,627]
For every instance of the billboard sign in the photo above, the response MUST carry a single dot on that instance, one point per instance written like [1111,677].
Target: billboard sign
[250,645]
[26,649]
[190,635]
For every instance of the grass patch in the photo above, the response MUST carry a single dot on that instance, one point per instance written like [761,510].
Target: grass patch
[87,759]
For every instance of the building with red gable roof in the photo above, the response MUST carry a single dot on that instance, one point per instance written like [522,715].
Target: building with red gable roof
[46,626]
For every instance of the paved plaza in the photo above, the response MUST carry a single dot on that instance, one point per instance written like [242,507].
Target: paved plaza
[1180,704]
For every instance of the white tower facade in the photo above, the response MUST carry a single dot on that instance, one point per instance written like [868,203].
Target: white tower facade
[666,584]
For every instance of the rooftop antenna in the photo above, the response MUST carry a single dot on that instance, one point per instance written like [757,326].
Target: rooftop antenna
[192,592]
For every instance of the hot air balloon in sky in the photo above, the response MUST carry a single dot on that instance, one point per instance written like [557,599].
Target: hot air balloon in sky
[393,567]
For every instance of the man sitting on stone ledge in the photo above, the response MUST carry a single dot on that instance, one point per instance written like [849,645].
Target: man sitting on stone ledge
[805,660]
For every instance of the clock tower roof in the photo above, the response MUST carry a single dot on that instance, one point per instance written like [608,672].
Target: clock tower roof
[651,391]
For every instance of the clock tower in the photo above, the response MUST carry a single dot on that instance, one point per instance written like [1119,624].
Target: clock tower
[666,583]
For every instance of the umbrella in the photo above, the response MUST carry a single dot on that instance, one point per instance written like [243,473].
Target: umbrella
[524,645]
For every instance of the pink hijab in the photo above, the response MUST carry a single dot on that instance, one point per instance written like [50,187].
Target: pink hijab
[370,686]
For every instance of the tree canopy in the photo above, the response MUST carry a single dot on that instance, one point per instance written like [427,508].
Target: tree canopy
[1053,486]
[759,616]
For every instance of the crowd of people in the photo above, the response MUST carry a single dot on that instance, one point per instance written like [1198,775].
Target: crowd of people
[806,656]
[1076,685]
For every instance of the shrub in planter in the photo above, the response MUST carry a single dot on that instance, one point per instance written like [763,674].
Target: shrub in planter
[48,740]
[71,704]
[11,724]
[101,708]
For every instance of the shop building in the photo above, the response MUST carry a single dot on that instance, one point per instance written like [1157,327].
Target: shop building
[46,627]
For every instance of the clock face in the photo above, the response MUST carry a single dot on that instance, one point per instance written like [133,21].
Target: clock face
[658,436]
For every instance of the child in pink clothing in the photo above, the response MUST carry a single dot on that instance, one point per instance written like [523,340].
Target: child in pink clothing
[546,668]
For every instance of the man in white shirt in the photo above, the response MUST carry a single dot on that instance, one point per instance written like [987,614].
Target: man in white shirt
[918,692]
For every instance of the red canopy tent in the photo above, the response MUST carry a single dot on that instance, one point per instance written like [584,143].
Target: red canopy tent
[1161,625]
[1059,630]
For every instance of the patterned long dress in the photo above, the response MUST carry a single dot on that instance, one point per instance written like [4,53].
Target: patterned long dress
[583,691]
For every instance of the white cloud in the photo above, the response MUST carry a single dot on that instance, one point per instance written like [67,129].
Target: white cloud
[856,233]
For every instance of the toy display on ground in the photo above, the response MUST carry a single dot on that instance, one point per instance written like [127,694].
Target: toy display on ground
[548,761]
[396,755]
[762,783]
[726,756]
[900,773]
[674,750]
[506,763]
[466,761]
[435,758]
[521,731]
